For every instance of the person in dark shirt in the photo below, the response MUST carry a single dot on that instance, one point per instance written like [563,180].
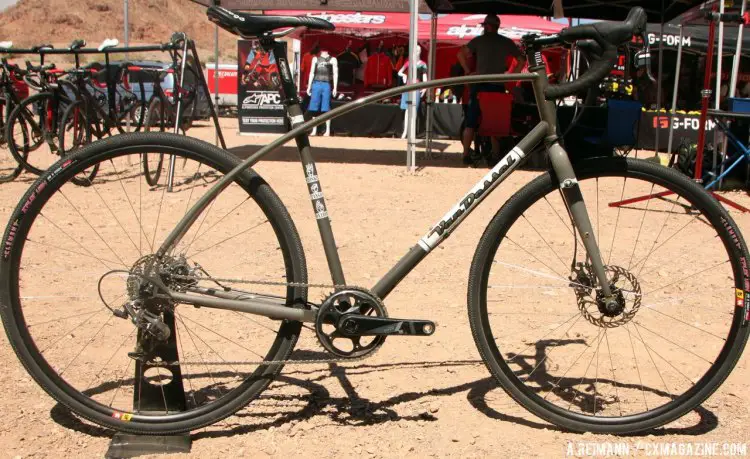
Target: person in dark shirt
[490,52]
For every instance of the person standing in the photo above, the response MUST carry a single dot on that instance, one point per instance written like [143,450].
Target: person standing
[489,52]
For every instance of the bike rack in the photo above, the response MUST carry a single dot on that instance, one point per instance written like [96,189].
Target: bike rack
[187,46]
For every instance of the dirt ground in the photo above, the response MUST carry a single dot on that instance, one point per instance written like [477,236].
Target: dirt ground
[416,397]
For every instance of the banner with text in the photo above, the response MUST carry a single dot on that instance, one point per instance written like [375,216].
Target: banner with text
[260,108]
[685,126]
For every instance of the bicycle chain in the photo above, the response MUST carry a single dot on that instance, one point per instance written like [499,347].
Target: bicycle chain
[219,281]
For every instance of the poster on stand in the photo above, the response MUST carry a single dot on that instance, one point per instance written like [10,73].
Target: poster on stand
[261,109]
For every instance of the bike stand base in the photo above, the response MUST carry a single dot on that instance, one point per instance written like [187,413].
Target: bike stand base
[127,445]
[157,398]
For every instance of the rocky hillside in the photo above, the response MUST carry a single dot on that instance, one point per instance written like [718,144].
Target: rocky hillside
[59,22]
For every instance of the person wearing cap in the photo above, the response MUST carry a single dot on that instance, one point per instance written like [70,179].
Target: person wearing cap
[490,52]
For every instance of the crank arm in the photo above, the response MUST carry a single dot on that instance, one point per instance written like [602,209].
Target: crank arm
[360,325]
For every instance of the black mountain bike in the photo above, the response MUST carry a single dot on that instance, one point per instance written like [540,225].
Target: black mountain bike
[154,312]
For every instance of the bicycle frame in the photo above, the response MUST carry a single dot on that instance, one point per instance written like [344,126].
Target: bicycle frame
[544,131]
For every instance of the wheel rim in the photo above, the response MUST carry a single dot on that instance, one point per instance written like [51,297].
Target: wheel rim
[560,357]
[211,344]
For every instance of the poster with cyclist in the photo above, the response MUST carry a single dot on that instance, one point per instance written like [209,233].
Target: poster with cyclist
[260,109]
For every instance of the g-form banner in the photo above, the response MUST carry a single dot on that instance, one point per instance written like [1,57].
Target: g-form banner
[260,108]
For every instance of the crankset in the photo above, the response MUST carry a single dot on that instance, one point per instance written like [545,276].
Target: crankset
[353,323]
[360,325]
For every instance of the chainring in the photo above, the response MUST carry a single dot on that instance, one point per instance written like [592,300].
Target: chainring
[352,300]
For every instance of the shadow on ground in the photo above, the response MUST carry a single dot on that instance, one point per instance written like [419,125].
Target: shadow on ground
[352,409]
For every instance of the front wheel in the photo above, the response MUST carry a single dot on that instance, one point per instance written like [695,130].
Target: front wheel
[677,266]
[74,256]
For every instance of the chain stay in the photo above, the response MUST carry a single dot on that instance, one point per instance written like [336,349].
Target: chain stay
[269,362]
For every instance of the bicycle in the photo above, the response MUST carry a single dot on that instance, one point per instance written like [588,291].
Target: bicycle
[105,304]
[57,107]
[10,77]
[89,115]
[162,110]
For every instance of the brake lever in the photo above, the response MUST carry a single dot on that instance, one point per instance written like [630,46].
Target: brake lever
[643,57]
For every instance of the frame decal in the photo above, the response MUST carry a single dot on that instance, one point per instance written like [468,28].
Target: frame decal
[493,178]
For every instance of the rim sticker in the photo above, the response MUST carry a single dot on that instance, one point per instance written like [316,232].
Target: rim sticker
[740,298]
[122,416]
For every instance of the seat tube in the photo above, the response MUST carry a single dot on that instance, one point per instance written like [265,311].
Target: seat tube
[565,174]
[296,117]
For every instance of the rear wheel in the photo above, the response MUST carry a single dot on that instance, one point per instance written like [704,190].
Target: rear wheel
[677,266]
[32,131]
[75,252]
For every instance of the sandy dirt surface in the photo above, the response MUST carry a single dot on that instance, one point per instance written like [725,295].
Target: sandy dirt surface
[415,397]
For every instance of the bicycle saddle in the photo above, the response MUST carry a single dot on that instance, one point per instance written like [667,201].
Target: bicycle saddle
[256,25]
[77,44]
[109,43]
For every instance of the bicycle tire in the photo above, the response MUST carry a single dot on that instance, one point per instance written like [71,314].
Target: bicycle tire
[75,116]
[6,106]
[493,239]
[33,133]
[31,206]
[154,123]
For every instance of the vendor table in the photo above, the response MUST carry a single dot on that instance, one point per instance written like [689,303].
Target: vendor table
[386,120]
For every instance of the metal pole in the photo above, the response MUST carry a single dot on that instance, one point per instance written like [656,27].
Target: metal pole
[659,76]
[733,79]
[412,97]
[737,53]
[177,117]
[216,76]
[127,25]
[717,97]
[674,91]
[431,93]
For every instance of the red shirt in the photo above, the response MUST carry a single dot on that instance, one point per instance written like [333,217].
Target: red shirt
[379,70]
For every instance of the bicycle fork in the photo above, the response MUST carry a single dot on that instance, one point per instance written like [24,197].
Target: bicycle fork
[566,177]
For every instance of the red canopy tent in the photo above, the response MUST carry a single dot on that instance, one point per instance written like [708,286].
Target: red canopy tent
[357,29]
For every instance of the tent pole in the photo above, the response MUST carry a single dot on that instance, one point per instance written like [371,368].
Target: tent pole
[733,81]
[126,25]
[678,66]
[431,93]
[717,95]
[659,77]
[412,97]
[705,97]
[737,53]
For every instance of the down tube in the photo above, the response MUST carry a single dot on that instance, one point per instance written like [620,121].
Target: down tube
[460,211]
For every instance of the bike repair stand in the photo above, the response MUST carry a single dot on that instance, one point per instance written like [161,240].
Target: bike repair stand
[151,396]
[189,46]
[713,17]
